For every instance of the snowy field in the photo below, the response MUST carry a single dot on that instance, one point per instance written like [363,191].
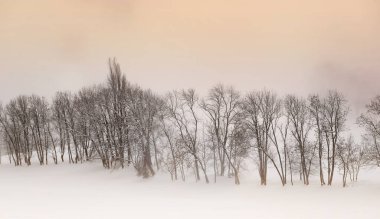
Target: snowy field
[89,191]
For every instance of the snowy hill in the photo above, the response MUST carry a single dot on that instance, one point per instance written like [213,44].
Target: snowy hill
[88,191]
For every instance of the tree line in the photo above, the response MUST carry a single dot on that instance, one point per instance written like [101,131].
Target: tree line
[122,124]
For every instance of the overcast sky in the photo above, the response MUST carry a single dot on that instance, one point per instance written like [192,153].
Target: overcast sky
[290,46]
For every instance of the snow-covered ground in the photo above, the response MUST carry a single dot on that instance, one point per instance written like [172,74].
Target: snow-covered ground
[89,191]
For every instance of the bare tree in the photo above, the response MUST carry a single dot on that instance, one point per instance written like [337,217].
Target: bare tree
[359,159]
[370,120]
[118,87]
[144,110]
[65,123]
[26,125]
[335,115]
[317,113]
[279,138]
[170,139]
[182,107]
[345,153]
[239,146]
[260,110]
[39,120]
[222,109]
[59,123]
[16,125]
[299,117]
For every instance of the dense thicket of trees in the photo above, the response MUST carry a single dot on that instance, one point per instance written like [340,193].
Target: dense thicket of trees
[124,125]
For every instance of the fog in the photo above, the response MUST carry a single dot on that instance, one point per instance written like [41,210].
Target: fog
[291,46]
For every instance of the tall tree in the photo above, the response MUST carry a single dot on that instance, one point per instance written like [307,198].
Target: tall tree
[183,108]
[260,110]
[370,121]
[317,113]
[299,117]
[222,107]
[335,116]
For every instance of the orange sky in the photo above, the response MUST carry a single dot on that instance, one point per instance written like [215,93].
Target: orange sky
[296,46]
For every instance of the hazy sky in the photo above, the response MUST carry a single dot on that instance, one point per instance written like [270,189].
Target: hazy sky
[291,46]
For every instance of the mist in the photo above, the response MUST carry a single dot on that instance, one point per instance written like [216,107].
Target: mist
[290,46]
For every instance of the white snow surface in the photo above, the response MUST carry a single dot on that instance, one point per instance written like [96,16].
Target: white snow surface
[87,190]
